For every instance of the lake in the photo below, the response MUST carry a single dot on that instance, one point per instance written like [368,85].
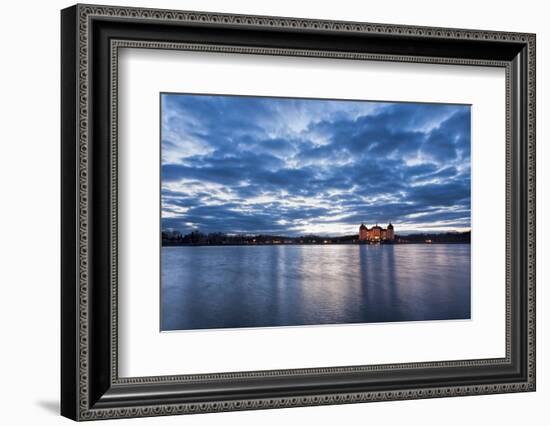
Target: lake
[285,285]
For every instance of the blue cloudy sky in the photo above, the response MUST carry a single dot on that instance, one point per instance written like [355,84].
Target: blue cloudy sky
[299,166]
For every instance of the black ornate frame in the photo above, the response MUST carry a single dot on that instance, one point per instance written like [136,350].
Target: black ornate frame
[91,37]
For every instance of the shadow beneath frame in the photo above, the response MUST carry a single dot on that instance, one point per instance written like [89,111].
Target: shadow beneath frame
[51,406]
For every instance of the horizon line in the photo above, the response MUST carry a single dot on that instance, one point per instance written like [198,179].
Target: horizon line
[309,234]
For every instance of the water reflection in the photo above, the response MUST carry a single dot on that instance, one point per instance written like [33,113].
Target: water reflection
[255,286]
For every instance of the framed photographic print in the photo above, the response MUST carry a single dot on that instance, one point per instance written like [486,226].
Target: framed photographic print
[263,212]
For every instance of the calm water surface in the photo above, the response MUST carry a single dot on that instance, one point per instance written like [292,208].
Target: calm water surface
[256,286]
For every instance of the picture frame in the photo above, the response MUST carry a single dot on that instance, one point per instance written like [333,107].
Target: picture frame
[90,384]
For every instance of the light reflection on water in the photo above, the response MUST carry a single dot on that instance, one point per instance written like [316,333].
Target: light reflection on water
[258,286]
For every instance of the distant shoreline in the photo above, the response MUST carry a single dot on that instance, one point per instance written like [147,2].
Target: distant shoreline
[194,239]
[311,244]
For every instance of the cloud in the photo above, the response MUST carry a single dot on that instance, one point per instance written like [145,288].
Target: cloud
[293,166]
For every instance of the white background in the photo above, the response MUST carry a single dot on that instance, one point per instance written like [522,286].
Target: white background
[146,352]
[29,179]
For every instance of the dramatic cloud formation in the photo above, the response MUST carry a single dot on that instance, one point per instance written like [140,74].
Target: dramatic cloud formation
[298,166]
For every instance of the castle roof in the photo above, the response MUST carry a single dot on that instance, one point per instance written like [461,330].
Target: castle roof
[362,226]
[390,226]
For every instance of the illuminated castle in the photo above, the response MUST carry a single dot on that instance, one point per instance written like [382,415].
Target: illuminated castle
[376,233]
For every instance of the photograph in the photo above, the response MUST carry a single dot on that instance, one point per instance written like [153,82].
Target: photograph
[286,211]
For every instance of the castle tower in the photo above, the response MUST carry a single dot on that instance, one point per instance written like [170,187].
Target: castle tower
[363,232]
[389,233]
